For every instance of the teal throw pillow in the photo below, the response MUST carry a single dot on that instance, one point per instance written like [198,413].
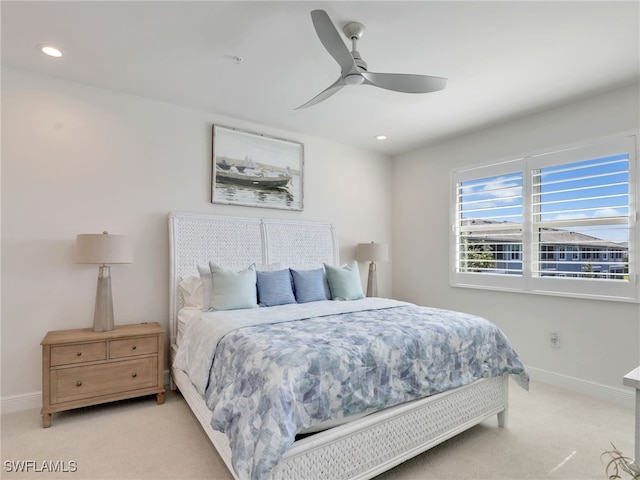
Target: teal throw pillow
[344,282]
[233,290]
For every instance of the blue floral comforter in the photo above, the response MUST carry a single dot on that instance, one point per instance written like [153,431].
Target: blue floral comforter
[269,373]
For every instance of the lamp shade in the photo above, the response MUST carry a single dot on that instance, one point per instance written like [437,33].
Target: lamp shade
[372,252]
[103,248]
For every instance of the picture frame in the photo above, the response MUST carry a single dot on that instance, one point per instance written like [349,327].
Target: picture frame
[256,170]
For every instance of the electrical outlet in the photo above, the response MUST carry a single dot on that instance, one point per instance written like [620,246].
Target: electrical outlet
[554,339]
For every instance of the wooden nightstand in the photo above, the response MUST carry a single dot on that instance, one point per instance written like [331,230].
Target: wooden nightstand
[82,367]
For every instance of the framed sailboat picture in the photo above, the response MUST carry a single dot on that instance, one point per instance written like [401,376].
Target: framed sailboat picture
[256,170]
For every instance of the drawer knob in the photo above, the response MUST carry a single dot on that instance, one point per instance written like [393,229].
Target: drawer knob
[79,354]
[134,347]
[79,383]
[134,374]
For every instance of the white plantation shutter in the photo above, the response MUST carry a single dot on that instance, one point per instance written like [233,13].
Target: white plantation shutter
[490,222]
[488,228]
[561,223]
[576,207]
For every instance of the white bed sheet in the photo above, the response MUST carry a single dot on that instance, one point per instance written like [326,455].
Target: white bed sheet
[184,315]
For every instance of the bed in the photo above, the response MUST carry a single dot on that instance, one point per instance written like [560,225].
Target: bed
[351,445]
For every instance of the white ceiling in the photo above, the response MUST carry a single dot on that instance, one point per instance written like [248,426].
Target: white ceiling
[502,59]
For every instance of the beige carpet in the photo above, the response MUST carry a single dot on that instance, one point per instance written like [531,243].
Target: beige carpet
[552,434]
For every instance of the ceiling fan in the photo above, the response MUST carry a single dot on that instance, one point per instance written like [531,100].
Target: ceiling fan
[353,69]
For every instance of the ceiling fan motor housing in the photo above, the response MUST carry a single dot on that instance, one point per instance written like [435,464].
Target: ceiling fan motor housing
[354,79]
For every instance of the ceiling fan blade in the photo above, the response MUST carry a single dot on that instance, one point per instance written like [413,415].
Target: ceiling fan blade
[332,41]
[337,85]
[405,83]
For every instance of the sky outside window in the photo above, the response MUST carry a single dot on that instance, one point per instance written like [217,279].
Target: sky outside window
[590,189]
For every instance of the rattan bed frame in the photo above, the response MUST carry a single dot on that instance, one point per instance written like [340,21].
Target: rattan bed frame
[362,448]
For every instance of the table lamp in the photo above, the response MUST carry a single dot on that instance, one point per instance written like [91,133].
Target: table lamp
[372,252]
[103,249]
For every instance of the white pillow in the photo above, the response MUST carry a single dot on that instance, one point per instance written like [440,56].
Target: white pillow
[233,290]
[192,291]
[205,278]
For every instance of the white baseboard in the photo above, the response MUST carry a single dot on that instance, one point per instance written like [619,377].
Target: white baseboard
[622,396]
[17,403]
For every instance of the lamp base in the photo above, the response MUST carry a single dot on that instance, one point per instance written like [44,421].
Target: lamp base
[372,282]
[103,313]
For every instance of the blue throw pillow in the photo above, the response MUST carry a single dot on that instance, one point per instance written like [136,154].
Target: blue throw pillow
[274,288]
[232,290]
[344,282]
[309,285]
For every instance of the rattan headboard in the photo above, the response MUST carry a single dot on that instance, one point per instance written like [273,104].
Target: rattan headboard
[237,242]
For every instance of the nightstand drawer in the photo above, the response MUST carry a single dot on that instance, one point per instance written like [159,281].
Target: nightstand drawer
[84,352]
[76,383]
[133,346]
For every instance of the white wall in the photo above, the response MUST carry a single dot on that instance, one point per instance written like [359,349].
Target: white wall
[599,340]
[77,159]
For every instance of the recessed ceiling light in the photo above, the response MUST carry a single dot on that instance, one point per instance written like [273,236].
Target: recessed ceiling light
[49,50]
[381,137]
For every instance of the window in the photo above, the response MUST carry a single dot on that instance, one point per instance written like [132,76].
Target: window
[514,251]
[561,223]
[490,222]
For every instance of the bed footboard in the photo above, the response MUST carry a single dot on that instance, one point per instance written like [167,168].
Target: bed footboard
[378,442]
[374,444]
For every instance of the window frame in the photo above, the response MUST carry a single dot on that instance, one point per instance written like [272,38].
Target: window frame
[528,281]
